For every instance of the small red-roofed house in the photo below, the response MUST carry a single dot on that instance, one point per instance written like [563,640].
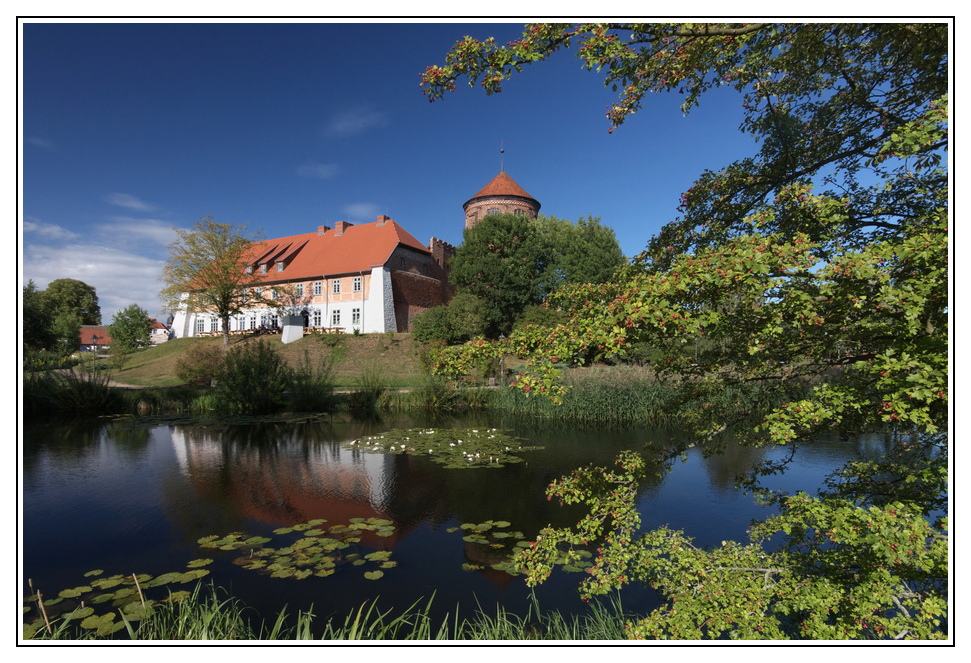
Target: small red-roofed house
[94,338]
[372,277]
[158,333]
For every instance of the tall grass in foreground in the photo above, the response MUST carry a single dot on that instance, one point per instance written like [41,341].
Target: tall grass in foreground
[70,391]
[210,614]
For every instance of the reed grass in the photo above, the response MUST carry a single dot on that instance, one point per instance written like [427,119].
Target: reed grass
[210,613]
[70,391]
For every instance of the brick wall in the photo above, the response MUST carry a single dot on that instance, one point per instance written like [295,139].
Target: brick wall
[414,294]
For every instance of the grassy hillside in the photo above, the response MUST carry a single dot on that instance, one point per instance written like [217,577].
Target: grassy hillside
[394,357]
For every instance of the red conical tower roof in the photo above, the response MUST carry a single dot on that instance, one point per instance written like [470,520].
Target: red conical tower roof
[502,185]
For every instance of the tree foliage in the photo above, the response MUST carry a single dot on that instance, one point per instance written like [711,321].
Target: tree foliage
[73,296]
[513,262]
[206,271]
[36,327]
[819,261]
[502,260]
[582,252]
[130,329]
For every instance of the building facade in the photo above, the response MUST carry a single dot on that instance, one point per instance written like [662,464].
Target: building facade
[373,277]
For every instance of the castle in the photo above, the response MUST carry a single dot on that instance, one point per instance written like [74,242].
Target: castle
[372,277]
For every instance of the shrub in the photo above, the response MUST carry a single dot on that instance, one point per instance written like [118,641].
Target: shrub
[458,321]
[371,385]
[253,379]
[201,363]
[312,385]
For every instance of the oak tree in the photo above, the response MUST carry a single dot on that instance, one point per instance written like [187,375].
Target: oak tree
[207,271]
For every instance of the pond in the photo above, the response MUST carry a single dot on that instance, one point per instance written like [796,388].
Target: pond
[138,495]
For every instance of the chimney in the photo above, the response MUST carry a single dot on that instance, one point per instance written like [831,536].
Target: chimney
[322,229]
[382,219]
[341,226]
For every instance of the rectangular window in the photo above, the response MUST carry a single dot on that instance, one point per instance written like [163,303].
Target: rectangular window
[318,288]
[316,318]
[214,325]
[274,321]
[335,318]
[259,293]
[279,267]
[355,316]
[252,322]
[200,325]
[262,269]
[357,284]
[300,290]
[337,286]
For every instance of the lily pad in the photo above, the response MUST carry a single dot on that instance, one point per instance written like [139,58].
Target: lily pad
[196,563]
[373,575]
[452,447]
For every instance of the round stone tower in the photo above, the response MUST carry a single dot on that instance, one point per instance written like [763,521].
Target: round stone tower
[500,196]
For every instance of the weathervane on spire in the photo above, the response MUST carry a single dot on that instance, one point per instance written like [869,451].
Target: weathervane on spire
[501,152]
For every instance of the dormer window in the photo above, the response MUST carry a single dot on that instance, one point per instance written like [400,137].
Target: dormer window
[249,269]
[279,267]
[263,269]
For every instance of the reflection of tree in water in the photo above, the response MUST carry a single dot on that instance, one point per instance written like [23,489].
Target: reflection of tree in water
[730,461]
[129,438]
[58,441]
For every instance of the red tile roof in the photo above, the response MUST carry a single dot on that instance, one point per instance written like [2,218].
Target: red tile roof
[312,255]
[502,185]
[88,333]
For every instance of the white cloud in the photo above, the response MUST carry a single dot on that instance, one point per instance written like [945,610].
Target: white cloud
[362,211]
[128,201]
[355,121]
[119,277]
[321,171]
[48,230]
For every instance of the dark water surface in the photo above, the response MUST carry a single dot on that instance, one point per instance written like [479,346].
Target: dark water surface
[136,495]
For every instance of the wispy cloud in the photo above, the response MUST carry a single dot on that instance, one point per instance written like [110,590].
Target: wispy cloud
[146,234]
[42,143]
[320,171]
[128,201]
[48,230]
[362,211]
[355,121]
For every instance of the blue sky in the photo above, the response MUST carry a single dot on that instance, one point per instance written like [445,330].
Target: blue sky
[129,130]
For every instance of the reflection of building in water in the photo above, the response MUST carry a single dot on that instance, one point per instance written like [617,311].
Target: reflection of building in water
[274,484]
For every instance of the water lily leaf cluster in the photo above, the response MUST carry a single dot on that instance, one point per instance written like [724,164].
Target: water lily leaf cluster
[310,549]
[496,535]
[455,448]
[104,603]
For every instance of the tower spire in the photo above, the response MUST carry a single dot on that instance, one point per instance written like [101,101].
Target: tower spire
[502,151]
